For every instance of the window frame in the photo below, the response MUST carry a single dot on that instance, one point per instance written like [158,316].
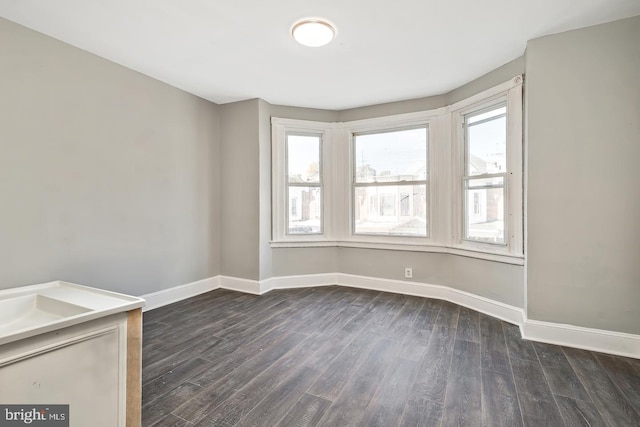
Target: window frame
[398,183]
[467,177]
[445,179]
[281,128]
[379,125]
[509,94]
[355,184]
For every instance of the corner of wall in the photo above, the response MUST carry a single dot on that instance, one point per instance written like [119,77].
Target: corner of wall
[492,78]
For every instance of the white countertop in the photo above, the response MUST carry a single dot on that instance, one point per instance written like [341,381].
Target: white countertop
[32,310]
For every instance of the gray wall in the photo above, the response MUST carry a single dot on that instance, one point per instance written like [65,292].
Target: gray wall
[400,107]
[107,177]
[240,189]
[498,281]
[500,75]
[493,78]
[303,113]
[264,153]
[294,261]
[583,93]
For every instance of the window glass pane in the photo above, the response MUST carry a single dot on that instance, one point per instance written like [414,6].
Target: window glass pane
[398,210]
[485,210]
[392,156]
[479,183]
[473,118]
[404,204]
[303,158]
[305,210]
[487,144]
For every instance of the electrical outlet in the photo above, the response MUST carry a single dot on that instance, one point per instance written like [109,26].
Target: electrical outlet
[408,273]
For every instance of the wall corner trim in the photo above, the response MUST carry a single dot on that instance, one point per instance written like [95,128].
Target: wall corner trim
[247,286]
[298,281]
[618,343]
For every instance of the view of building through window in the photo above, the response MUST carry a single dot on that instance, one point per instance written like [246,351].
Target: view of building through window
[485,173]
[304,186]
[390,182]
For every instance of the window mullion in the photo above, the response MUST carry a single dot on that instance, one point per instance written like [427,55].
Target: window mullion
[389,183]
[486,176]
[304,184]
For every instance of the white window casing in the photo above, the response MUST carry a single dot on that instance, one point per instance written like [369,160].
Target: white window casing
[445,180]
[382,124]
[280,129]
[509,93]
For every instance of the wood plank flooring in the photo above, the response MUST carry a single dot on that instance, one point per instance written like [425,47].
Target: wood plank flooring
[335,356]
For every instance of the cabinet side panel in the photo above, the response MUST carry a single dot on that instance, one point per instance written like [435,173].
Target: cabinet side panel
[134,368]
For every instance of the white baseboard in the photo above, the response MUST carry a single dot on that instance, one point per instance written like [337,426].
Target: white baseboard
[302,281]
[178,293]
[617,343]
[241,285]
[493,308]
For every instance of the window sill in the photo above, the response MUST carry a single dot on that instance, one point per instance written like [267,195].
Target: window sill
[502,257]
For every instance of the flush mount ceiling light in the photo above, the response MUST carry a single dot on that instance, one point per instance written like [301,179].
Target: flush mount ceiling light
[313,32]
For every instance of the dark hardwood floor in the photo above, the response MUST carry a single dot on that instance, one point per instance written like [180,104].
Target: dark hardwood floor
[335,356]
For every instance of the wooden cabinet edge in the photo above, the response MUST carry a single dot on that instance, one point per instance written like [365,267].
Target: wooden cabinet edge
[134,368]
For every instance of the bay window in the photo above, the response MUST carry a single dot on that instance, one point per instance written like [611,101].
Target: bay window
[445,180]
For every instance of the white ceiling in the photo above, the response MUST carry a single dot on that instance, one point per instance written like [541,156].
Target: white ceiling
[227,51]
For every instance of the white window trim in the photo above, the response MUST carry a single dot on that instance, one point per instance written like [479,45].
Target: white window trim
[280,129]
[380,124]
[511,92]
[446,163]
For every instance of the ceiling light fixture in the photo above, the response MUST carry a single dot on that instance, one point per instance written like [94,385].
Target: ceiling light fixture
[313,32]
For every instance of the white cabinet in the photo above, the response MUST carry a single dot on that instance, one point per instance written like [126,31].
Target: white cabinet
[88,359]
[83,366]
